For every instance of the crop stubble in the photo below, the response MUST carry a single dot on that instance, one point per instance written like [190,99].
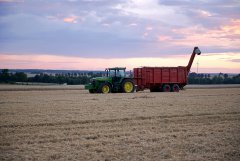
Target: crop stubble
[195,124]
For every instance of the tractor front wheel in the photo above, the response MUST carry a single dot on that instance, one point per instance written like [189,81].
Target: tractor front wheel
[128,86]
[104,88]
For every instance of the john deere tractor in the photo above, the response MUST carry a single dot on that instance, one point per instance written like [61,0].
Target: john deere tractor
[115,82]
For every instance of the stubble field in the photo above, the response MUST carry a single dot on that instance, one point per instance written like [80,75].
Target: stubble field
[67,124]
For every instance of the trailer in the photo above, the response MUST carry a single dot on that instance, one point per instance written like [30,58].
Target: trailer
[163,79]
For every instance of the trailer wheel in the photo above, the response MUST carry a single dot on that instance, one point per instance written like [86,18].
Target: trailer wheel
[128,86]
[104,88]
[175,88]
[166,88]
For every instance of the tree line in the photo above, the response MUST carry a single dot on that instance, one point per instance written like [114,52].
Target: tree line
[73,78]
[221,78]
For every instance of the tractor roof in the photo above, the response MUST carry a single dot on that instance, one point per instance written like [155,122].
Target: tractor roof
[117,68]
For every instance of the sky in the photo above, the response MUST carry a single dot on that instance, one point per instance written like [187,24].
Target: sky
[96,34]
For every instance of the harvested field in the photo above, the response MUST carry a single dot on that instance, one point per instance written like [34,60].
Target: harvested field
[194,124]
[81,87]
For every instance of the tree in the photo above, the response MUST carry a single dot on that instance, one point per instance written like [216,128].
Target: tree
[225,76]
[236,79]
[5,76]
[217,80]
[193,75]
[20,77]
[220,74]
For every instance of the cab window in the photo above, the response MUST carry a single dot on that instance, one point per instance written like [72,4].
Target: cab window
[120,73]
[111,73]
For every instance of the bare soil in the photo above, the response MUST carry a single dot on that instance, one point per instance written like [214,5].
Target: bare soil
[194,124]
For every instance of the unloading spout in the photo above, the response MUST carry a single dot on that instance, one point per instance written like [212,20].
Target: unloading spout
[197,51]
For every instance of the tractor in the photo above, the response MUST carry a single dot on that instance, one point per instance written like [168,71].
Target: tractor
[115,81]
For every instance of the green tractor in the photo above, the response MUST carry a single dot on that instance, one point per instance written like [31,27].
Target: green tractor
[115,82]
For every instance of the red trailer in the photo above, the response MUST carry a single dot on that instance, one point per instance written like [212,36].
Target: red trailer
[163,79]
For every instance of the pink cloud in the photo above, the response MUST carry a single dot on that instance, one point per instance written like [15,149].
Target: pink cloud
[226,36]
[72,19]
[25,61]
[164,38]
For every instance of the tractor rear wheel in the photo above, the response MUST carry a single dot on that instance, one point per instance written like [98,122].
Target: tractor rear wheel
[175,88]
[166,88]
[104,88]
[128,86]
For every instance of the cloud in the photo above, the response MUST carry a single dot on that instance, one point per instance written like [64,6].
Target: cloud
[227,36]
[11,1]
[150,10]
[206,13]
[119,29]
[235,60]
[149,28]
[73,19]
[45,61]
[164,38]
[133,24]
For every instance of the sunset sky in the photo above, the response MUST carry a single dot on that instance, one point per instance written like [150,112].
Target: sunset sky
[95,34]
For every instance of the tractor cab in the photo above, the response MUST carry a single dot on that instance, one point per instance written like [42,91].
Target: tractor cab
[117,74]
